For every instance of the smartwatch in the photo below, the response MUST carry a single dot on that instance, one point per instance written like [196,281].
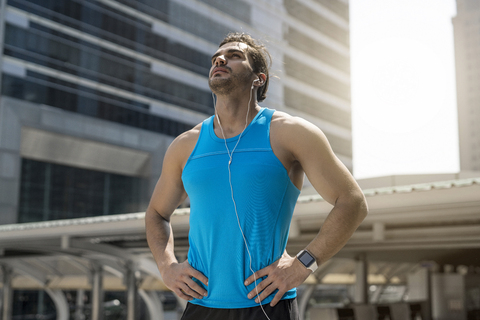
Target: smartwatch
[307,260]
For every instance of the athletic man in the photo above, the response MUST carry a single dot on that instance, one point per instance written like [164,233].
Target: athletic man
[243,169]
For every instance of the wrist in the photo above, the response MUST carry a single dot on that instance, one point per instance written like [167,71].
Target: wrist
[165,265]
[308,260]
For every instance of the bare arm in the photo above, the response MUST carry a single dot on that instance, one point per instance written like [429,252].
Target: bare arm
[307,146]
[167,196]
[332,180]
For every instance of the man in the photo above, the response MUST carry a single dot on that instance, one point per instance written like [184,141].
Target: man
[243,169]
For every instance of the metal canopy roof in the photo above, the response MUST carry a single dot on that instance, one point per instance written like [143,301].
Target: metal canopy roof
[407,225]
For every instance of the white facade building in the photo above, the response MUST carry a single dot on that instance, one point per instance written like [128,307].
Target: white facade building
[467,60]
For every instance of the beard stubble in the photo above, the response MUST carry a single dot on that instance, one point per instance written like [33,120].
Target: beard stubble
[221,86]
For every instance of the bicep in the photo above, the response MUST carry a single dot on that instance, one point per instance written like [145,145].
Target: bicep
[327,174]
[169,192]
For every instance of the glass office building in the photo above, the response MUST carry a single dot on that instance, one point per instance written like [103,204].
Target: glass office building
[94,91]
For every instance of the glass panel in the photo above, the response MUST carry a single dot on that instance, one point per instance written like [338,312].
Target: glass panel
[60,96]
[188,20]
[114,26]
[32,200]
[51,191]
[237,9]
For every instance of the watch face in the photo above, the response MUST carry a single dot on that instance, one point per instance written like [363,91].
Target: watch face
[306,259]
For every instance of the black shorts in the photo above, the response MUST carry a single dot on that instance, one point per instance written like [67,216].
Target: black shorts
[284,310]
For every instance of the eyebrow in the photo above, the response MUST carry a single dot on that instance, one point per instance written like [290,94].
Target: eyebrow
[229,51]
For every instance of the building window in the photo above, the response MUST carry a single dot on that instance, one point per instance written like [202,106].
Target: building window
[237,9]
[69,97]
[103,66]
[113,26]
[189,20]
[299,101]
[316,21]
[317,79]
[310,46]
[336,6]
[51,191]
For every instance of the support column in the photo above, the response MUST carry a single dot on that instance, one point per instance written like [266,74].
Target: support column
[7,297]
[361,282]
[321,272]
[132,292]
[60,301]
[302,305]
[3,8]
[153,303]
[376,295]
[97,292]
[419,284]
[79,305]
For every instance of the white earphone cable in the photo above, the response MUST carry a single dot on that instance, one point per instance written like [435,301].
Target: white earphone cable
[230,155]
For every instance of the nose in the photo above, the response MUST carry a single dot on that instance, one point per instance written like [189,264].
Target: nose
[220,60]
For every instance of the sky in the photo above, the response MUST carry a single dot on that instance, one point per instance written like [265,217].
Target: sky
[404,118]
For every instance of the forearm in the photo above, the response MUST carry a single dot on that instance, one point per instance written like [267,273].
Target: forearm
[341,223]
[176,276]
[160,239]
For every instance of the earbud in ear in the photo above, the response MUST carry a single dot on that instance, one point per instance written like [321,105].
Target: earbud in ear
[256,80]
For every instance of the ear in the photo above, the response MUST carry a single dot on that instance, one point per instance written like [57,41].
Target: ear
[262,78]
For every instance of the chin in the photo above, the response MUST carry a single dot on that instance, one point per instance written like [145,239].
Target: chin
[220,86]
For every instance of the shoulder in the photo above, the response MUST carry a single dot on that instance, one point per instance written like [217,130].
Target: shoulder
[297,134]
[281,118]
[287,125]
[183,145]
[186,138]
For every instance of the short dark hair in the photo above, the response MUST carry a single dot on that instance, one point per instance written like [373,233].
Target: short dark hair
[261,58]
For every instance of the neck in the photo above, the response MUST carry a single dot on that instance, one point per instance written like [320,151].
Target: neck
[235,113]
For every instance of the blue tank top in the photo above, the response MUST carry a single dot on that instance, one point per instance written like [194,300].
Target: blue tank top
[265,198]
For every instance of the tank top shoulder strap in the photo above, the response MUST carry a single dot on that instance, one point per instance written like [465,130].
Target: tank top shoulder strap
[204,133]
[268,113]
[206,124]
[259,133]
